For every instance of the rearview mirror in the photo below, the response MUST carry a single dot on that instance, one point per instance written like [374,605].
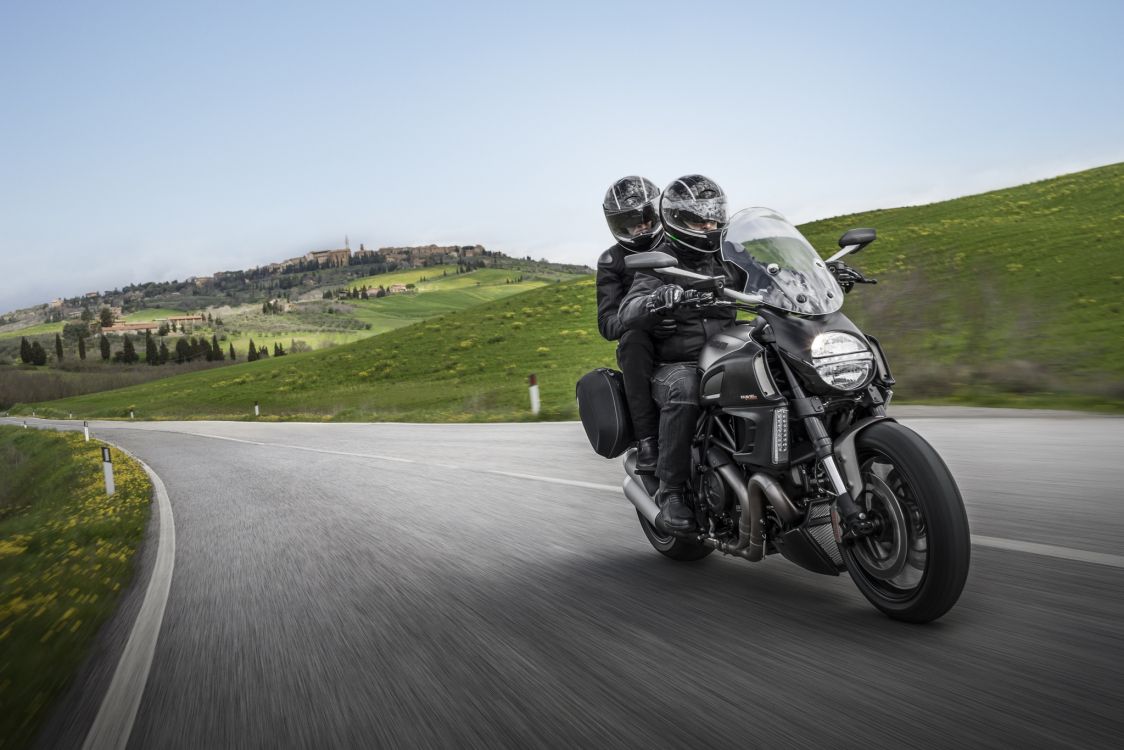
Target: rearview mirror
[652,259]
[860,237]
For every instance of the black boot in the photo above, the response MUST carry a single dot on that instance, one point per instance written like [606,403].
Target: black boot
[647,453]
[676,516]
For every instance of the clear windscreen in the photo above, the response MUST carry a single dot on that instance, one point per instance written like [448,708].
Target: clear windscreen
[778,263]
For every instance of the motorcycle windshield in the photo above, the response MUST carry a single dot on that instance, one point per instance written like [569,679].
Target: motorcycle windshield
[778,264]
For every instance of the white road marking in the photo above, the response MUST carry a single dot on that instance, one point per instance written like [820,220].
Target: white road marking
[1014,545]
[114,722]
[1049,550]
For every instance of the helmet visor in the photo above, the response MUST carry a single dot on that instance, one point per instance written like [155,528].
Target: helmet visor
[633,223]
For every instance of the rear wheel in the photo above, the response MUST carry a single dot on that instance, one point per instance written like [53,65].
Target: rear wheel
[675,547]
[914,566]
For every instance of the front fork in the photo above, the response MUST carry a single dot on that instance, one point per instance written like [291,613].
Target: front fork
[849,520]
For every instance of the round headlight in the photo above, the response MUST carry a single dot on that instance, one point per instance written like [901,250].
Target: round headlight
[843,361]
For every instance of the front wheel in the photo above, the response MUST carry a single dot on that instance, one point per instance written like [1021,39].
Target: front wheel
[675,547]
[914,566]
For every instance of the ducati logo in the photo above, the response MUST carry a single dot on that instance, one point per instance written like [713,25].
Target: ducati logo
[749,397]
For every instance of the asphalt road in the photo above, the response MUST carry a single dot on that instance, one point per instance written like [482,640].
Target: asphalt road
[485,585]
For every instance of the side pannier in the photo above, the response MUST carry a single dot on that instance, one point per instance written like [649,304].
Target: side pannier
[604,412]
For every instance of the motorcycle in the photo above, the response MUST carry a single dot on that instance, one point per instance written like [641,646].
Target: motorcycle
[793,452]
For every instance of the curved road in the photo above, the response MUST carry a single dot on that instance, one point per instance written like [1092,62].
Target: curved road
[488,585]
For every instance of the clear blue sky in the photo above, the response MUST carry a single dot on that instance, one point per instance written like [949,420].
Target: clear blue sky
[154,140]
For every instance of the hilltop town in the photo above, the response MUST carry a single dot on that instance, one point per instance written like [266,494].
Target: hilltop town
[288,279]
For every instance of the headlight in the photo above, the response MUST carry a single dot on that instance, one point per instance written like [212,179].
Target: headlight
[843,361]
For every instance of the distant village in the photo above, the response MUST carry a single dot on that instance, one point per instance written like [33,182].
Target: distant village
[384,258]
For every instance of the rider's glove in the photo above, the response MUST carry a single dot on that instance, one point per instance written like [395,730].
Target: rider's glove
[845,275]
[664,329]
[664,298]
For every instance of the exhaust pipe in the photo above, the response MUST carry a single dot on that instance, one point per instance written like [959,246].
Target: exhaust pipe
[639,497]
[634,490]
[752,497]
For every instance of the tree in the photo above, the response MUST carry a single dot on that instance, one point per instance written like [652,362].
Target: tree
[252,352]
[25,351]
[58,348]
[82,349]
[232,351]
[163,354]
[87,315]
[38,354]
[163,330]
[216,350]
[151,353]
[128,351]
[263,353]
[105,316]
[103,344]
[174,329]
[183,351]
[76,330]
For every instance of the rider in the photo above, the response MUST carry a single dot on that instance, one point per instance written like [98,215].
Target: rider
[693,210]
[632,212]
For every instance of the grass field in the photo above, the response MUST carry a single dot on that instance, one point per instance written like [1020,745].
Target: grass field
[1007,298]
[66,553]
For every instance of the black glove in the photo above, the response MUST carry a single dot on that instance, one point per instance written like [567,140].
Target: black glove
[665,297]
[847,276]
[664,329]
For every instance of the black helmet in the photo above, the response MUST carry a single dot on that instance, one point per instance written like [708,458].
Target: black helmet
[630,209]
[693,209]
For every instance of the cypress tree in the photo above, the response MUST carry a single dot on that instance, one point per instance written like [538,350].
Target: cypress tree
[128,352]
[163,354]
[183,351]
[58,348]
[103,344]
[82,349]
[38,354]
[263,353]
[216,350]
[231,351]
[252,352]
[25,351]
[151,353]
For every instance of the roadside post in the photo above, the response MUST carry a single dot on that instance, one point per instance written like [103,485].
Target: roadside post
[534,381]
[130,414]
[86,430]
[71,415]
[25,424]
[107,467]
[257,409]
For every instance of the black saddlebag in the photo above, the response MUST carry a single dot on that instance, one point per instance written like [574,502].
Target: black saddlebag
[604,412]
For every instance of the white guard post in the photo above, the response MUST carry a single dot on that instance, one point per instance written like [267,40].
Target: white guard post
[257,409]
[86,430]
[534,381]
[107,467]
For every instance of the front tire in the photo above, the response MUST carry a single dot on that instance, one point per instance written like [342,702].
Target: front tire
[914,567]
[676,547]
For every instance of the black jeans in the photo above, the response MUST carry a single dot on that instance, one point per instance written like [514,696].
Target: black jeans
[636,355]
[675,388]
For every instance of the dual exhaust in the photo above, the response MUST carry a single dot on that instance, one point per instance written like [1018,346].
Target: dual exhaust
[752,496]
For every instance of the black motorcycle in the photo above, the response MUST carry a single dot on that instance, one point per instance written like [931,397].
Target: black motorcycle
[793,452]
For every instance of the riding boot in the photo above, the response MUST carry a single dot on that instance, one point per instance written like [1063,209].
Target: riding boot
[647,454]
[676,515]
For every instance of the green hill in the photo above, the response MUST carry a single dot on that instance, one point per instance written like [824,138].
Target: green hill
[1009,297]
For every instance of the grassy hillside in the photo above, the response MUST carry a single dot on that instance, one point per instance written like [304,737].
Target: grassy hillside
[467,365]
[1015,291]
[1010,297]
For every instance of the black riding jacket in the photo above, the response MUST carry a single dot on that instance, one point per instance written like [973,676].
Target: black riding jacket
[694,325]
[613,283]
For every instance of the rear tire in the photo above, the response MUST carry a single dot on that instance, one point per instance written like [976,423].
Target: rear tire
[915,566]
[676,547]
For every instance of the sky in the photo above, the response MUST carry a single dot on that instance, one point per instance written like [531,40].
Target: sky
[150,141]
